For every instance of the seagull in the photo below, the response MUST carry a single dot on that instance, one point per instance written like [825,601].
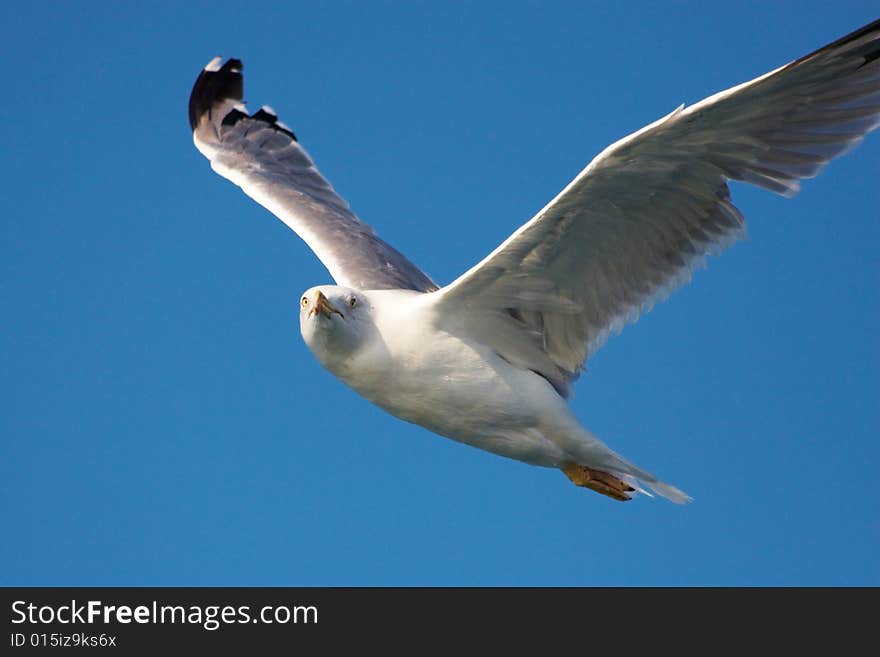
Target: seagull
[490,359]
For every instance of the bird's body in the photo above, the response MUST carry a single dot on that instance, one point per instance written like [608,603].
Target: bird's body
[448,383]
[409,362]
[490,359]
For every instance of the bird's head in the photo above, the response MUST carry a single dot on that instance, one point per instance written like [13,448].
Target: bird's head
[334,321]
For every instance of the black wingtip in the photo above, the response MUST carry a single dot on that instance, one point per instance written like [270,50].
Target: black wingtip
[267,115]
[870,52]
[215,83]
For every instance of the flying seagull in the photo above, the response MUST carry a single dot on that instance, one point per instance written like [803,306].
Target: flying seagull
[490,359]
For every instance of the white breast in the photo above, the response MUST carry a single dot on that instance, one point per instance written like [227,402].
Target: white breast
[443,382]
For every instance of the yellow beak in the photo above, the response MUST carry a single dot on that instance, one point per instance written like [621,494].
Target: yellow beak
[322,305]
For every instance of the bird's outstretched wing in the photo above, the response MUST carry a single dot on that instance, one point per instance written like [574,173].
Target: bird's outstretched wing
[262,156]
[636,221]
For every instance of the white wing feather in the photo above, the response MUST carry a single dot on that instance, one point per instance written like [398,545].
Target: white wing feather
[262,156]
[648,209]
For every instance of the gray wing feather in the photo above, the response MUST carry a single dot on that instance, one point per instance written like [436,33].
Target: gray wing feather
[646,211]
[262,156]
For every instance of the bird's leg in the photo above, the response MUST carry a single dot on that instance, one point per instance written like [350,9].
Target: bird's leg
[599,481]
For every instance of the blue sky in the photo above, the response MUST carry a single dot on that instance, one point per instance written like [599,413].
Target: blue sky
[164,424]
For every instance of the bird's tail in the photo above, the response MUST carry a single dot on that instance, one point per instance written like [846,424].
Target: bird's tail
[638,479]
[588,450]
[596,454]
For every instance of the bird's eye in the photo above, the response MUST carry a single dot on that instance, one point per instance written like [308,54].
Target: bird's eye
[352,302]
[304,302]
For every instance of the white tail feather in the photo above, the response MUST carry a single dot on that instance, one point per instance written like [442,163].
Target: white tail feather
[635,477]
